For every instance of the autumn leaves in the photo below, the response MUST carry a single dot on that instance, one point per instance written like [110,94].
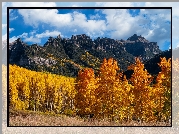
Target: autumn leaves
[110,96]
[107,95]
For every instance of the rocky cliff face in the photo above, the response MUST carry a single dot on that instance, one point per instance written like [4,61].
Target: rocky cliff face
[140,47]
[67,56]
[17,53]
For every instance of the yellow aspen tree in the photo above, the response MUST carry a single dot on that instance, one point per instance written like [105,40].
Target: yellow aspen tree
[108,91]
[141,81]
[163,90]
[127,97]
[38,91]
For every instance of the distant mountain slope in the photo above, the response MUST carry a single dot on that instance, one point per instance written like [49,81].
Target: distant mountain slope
[68,56]
[152,64]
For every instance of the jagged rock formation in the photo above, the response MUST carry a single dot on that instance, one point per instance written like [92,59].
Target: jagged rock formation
[67,56]
[17,53]
[145,49]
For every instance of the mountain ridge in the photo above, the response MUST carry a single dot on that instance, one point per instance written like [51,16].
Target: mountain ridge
[66,56]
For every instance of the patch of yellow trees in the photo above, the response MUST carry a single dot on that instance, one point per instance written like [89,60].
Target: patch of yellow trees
[108,95]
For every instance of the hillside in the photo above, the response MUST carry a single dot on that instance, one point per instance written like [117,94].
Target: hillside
[66,56]
[152,64]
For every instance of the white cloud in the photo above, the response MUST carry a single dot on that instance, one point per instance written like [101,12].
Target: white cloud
[32,39]
[96,16]
[23,4]
[163,14]
[121,27]
[153,28]
[25,38]
[11,29]
[12,39]
[120,22]
[69,21]
[24,35]
[88,26]
[158,31]
[32,32]
[175,17]
[47,34]
[14,18]
[34,17]
[75,30]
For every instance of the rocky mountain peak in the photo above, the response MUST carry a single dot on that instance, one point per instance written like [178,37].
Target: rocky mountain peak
[17,44]
[137,38]
[17,52]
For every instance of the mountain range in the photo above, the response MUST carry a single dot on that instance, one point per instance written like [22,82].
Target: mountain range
[66,56]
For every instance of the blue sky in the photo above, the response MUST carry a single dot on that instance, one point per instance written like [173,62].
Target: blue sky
[35,26]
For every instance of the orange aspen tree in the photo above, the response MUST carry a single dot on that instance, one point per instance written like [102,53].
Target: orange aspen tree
[85,99]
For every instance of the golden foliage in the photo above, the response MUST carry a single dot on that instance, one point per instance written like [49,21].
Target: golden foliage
[30,90]
[109,95]
[85,97]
